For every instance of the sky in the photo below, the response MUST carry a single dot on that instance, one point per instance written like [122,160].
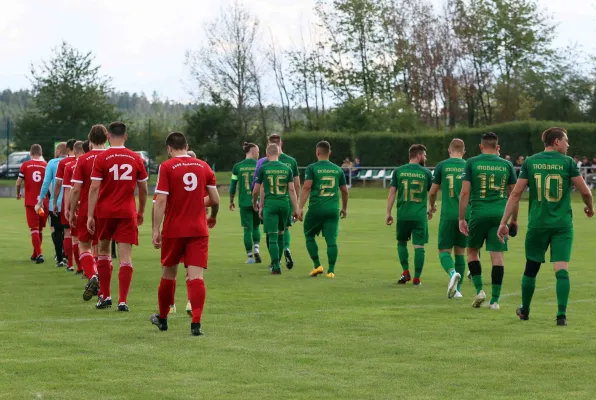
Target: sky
[141,44]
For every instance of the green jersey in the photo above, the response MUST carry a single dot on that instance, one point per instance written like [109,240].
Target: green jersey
[326,179]
[489,176]
[549,176]
[448,174]
[412,182]
[275,177]
[290,162]
[242,174]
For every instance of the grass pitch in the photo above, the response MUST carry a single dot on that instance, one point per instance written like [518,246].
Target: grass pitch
[360,336]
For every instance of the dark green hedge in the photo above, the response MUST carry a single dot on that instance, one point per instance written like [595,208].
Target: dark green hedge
[302,146]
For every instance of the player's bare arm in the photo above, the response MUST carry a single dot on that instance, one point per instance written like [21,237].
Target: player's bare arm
[464,198]
[297,185]
[57,187]
[93,194]
[142,201]
[262,203]
[67,203]
[75,195]
[432,199]
[255,196]
[586,194]
[233,185]
[293,199]
[343,213]
[390,202]
[18,187]
[512,207]
[303,197]
[214,201]
[515,212]
[159,209]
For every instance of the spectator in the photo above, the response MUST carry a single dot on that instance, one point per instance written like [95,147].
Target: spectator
[346,167]
[577,161]
[518,164]
[586,163]
[508,157]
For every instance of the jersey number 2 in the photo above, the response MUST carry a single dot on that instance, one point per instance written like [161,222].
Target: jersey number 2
[125,176]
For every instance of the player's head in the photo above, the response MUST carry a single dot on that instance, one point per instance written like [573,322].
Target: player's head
[176,144]
[117,131]
[276,139]
[457,148]
[418,154]
[35,151]
[273,151]
[323,150]
[70,145]
[251,150]
[60,150]
[556,138]
[86,146]
[191,153]
[490,143]
[98,135]
[78,148]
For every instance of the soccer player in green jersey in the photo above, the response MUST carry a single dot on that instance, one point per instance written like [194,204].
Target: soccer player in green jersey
[550,175]
[277,181]
[323,181]
[293,165]
[487,180]
[410,183]
[242,174]
[447,177]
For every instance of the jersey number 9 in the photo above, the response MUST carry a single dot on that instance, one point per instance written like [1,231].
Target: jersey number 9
[190,181]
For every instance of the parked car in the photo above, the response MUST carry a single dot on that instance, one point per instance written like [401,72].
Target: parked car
[15,160]
[150,165]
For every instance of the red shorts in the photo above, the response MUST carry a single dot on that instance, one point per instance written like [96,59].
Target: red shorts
[34,220]
[122,230]
[82,233]
[189,250]
[63,219]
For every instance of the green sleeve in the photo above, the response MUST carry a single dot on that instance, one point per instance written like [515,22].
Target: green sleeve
[290,177]
[437,174]
[342,179]
[234,181]
[523,174]
[309,174]
[295,171]
[467,175]
[512,175]
[394,178]
[573,168]
[260,176]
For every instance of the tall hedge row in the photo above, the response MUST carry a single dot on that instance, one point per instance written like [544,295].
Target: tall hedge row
[388,149]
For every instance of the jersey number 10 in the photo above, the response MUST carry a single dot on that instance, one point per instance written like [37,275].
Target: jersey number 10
[549,180]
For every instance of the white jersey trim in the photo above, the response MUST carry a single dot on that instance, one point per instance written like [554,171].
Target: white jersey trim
[96,179]
[161,191]
[142,180]
[75,181]
[211,186]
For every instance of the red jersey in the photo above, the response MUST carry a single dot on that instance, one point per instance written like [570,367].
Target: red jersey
[61,166]
[185,181]
[32,172]
[82,175]
[119,169]
[68,171]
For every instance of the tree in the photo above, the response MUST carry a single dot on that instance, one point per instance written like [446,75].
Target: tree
[69,96]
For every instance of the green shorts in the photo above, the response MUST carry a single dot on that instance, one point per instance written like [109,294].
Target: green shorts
[325,221]
[275,217]
[450,236]
[249,218]
[485,229]
[417,230]
[560,241]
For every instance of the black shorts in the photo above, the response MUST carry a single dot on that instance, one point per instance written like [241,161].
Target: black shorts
[55,221]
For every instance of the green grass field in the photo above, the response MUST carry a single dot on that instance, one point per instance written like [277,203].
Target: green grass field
[360,336]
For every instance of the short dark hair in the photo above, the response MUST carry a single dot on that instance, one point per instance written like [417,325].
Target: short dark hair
[117,128]
[86,147]
[551,134]
[275,138]
[98,134]
[324,147]
[70,144]
[248,146]
[177,141]
[35,150]
[490,140]
[416,150]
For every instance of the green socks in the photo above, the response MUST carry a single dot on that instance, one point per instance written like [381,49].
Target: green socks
[418,261]
[332,256]
[274,251]
[563,287]
[313,251]
[447,263]
[280,245]
[528,285]
[256,235]
[460,268]
[248,241]
[286,239]
[402,253]
[497,274]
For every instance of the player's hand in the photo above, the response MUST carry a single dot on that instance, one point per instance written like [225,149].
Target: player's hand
[389,219]
[232,206]
[513,228]
[55,208]
[260,213]
[91,225]
[255,206]
[211,222]
[140,219]
[73,220]
[296,216]
[343,213]
[463,227]
[67,214]
[19,195]
[37,207]
[301,216]
[503,232]
[429,215]
[156,239]
[589,212]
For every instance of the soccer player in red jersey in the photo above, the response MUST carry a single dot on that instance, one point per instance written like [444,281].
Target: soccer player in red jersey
[80,196]
[33,172]
[67,185]
[62,166]
[181,189]
[116,173]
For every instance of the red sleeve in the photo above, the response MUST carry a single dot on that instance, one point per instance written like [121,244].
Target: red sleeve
[67,177]
[97,174]
[77,174]
[141,171]
[163,185]
[210,181]
[60,172]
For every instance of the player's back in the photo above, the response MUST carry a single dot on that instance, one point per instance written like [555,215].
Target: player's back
[412,182]
[290,162]
[489,176]
[119,169]
[448,174]
[32,172]
[82,175]
[326,180]
[244,171]
[185,181]
[275,177]
[549,176]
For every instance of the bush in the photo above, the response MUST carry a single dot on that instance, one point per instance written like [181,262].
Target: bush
[301,146]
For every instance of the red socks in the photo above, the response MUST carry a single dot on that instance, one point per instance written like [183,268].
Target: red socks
[165,296]
[67,243]
[87,262]
[105,275]
[196,294]
[36,240]
[124,278]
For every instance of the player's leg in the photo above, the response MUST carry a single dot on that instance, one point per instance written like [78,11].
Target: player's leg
[67,245]
[330,230]
[286,240]
[561,245]
[34,223]
[403,236]
[76,255]
[419,239]
[125,235]
[460,265]
[256,235]
[57,238]
[477,233]
[312,227]
[271,227]
[197,294]
[172,252]
[104,272]
[496,249]
[246,217]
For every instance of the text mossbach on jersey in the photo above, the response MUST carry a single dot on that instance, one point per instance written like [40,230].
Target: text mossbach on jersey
[548,166]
